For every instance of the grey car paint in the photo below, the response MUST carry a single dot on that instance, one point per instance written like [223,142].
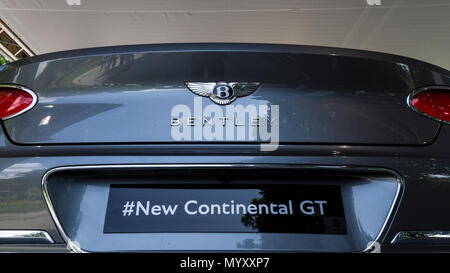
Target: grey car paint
[369,196]
[418,150]
[118,96]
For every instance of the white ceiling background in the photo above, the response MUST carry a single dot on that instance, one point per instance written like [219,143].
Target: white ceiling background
[415,28]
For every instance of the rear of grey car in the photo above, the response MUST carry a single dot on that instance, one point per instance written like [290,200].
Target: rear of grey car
[224,147]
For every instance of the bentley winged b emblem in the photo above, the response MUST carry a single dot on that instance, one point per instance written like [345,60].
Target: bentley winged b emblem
[222,92]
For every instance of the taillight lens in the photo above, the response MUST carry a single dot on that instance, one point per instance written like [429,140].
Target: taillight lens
[432,102]
[15,101]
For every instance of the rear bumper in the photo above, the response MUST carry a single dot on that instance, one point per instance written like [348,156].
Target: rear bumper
[422,205]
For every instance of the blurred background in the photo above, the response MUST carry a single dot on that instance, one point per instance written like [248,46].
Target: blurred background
[412,28]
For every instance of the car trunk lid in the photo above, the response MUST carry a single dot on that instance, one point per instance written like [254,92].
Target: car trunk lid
[131,95]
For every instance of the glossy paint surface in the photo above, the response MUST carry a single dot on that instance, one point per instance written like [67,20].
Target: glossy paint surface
[119,95]
[80,200]
[424,169]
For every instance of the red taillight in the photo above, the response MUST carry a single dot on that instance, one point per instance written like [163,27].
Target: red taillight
[432,102]
[15,101]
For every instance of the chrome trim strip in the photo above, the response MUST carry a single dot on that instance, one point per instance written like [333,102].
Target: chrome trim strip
[420,235]
[25,89]
[75,247]
[417,91]
[26,234]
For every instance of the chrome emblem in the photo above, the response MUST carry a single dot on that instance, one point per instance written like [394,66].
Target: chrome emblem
[222,92]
